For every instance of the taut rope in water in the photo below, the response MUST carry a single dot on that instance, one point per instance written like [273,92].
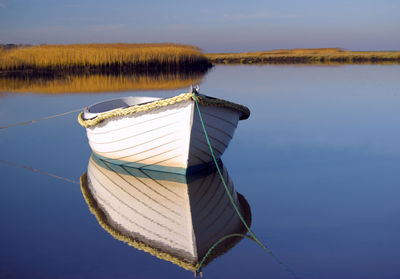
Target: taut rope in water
[40,119]
[38,171]
[252,235]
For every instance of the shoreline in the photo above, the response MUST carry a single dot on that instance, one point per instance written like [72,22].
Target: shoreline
[154,59]
[103,59]
[306,56]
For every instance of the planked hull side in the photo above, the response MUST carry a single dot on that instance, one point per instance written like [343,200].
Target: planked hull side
[220,124]
[156,140]
[167,139]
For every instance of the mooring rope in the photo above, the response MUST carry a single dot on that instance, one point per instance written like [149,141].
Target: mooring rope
[218,242]
[40,119]
[253,236]
[38,171]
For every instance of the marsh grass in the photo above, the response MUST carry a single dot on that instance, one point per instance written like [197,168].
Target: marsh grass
[306,56]
[95,83]
[103,58]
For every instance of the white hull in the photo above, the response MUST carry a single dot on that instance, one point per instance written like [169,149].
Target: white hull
[177,216]
[168,138]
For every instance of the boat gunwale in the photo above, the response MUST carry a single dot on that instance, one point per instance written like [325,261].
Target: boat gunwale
[202,99]
[135,100]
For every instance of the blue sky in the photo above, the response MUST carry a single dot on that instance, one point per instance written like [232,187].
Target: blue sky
[214,26]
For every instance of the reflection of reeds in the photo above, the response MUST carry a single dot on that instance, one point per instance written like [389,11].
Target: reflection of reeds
[101,58]
[96,83]
[306,56]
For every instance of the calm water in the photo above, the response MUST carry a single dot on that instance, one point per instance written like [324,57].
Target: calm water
[318,162]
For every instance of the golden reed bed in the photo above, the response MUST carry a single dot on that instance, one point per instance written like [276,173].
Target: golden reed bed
[102,58]
[306,56]
[97,83]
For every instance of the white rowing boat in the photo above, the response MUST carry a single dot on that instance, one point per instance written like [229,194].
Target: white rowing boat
[161,134]
[171,216]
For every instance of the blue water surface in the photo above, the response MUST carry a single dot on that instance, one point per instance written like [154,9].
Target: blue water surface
[318,161]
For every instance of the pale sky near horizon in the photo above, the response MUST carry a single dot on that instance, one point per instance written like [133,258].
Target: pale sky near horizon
[214,26]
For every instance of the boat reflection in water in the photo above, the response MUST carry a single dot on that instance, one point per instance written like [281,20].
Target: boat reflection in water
[173,217]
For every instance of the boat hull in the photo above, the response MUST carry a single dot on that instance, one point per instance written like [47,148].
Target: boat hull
[169,138]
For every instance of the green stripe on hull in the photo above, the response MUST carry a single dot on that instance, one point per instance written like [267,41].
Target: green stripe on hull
[155,172]
[176,170]
[135,169]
